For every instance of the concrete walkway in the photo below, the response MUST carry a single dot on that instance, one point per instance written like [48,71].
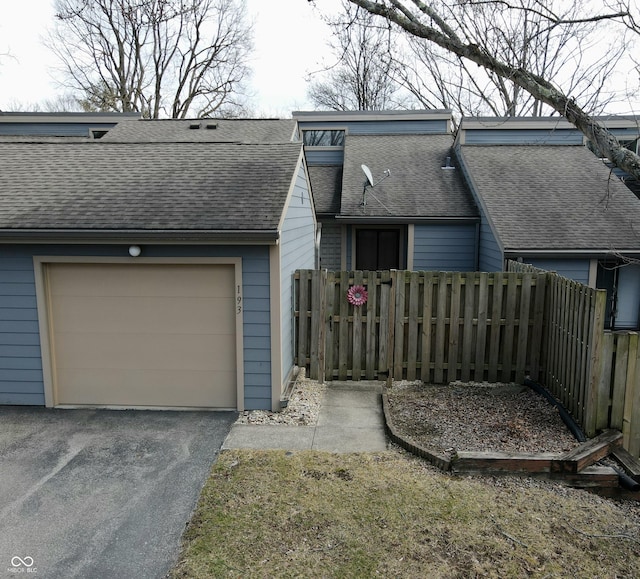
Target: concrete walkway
[350,420]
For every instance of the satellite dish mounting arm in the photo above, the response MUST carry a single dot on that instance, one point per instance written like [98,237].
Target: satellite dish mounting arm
[369,182]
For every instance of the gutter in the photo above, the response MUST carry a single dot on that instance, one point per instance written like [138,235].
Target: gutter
[155,236]
[404,220]
[595,252]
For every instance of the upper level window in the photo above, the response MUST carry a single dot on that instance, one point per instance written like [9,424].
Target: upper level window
[317,138]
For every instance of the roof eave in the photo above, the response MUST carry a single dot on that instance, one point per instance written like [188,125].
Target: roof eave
[154,236]
[586,253]
[404,219]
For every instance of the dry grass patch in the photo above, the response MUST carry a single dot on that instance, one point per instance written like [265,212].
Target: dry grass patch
[309,514]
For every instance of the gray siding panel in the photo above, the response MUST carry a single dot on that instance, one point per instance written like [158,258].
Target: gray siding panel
[444,247]
[52,129]
[19,336]
[297,251]
[322,156]
[382,127]
[331,246]
[523,137]
[398,127]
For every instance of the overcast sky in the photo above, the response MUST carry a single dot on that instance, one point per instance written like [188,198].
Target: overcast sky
[289,40]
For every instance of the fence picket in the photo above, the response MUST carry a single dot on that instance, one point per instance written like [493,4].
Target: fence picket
[523,327]
[496,318]
[412,341]
[343,328]
[427,326]
[467,329]
[632,407]
[302,315]
[356,364]
[481,335]
[400,286]
[454,327]
[372,325]
[384,364]
[441,320]
[509,327]
[619,382]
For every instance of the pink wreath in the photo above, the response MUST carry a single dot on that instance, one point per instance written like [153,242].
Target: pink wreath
[357,295]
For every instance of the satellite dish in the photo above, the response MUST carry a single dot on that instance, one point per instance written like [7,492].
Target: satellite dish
[368,174]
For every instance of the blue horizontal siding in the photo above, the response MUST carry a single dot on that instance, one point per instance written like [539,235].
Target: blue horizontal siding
[19,333]
[25,338]
[628,316]
[490,257]
[21,380]
[22,375]
[22,398]
[297,251]
[12,314]
[576,269]
[444,247]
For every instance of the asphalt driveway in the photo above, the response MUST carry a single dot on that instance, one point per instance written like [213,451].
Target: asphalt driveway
[99,493]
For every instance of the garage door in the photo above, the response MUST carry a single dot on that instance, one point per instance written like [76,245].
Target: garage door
[143,335]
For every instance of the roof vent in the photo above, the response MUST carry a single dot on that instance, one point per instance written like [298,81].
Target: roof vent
[448,164]
[194,126]
[212,126]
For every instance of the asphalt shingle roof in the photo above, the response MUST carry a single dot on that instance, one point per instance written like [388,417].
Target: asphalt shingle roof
[418,186]
[326,182]
[114,186]
[546,197]
[225,131]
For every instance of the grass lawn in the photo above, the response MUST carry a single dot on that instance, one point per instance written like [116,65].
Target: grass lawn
[310,514]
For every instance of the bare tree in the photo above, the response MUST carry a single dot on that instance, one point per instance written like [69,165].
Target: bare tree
[64,103]
[428,20]
[522,38]
[159,57]
[361,78]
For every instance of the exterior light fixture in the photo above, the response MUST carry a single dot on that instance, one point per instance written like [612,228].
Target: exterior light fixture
[134,250]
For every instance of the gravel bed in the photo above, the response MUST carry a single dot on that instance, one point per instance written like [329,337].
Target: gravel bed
[478,417]
[302,409]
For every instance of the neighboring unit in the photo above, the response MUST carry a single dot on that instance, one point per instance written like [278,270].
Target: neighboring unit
[546,199]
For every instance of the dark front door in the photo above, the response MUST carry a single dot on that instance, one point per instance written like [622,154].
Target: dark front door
[377,249]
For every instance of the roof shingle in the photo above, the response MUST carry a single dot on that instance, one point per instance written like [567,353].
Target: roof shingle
[553,197]
[127,186]
[418,186]
[209,131]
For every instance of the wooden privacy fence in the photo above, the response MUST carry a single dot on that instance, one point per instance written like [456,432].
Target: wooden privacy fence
[434,326]
[593,372]
[441,327]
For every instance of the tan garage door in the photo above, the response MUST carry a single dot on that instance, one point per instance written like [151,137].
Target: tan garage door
[143,335]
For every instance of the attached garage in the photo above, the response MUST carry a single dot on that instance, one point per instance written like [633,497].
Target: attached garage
[199,315]
[137,334]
